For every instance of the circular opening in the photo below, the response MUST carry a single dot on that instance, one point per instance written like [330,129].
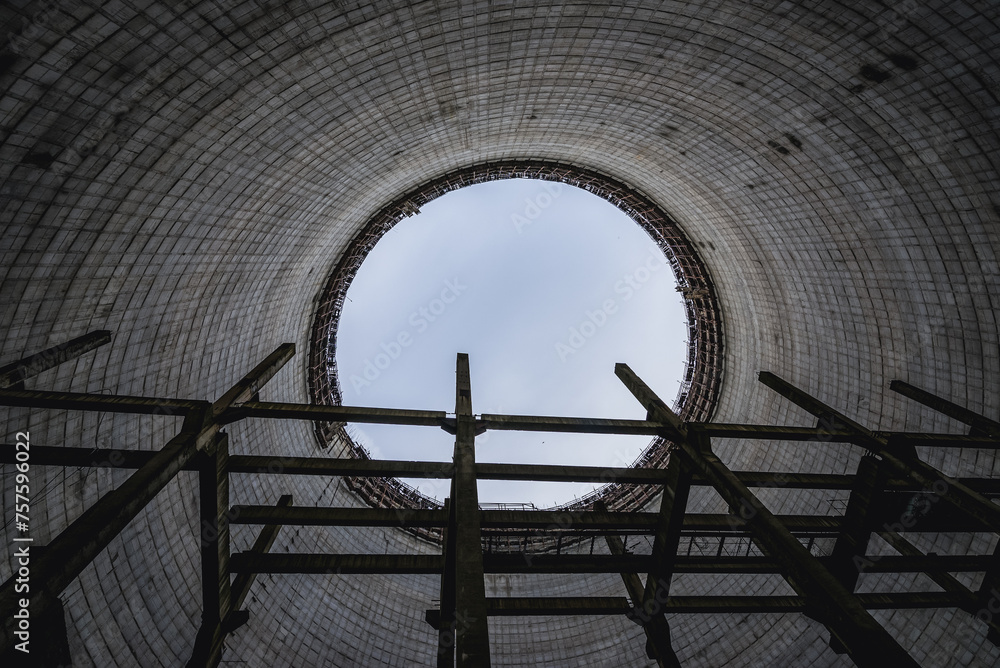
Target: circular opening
[546,286]
[329,385]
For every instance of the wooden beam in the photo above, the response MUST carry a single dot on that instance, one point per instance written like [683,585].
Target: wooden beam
[852,543]
[918,439]
[336,564]
[569,424]
[773,433]
[699,524]
[72,550]
[654,624]
[330,466]
[542,519]
[619,605]
[355,564]
[287,411]
[868,643]
[826,435]
[944,487]
[262,545]
[213,484]
[214,488]
[566,605]
[348,517]
[472,641]
[560,473]
[106,403]
[209,645]
[17,372]
[447,626]
[981,424]
[669,522]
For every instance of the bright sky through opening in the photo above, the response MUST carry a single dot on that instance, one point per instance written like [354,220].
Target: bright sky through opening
[546,286]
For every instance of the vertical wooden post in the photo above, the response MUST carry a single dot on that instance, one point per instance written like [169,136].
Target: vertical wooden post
[852,543]
[446,620]
[213,485]
[472,640]
[654,623]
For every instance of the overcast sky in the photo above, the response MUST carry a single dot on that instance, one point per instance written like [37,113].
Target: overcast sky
[545,286]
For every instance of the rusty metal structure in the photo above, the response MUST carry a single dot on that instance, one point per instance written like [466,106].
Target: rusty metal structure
[703,371]
[893,492]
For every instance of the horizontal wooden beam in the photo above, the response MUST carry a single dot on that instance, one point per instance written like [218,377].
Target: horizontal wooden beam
[333,466]
[523,563]
[611,605]
[714,524]
[106,403]
[918,439]
[329,466]
[773,432]
[262,545]
[287,411]
[890,515]
[520,562]
[337,564]
[558,473]
[348,517]
[624,521]
[567,605]
[821,435]
[570,424]
[541,519]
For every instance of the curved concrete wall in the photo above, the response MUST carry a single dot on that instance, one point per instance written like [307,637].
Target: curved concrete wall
[186,177]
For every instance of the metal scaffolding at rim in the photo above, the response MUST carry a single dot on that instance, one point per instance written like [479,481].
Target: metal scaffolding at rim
[702,376]
[888,479]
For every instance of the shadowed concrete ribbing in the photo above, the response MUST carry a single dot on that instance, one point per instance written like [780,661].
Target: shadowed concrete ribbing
[188,176]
